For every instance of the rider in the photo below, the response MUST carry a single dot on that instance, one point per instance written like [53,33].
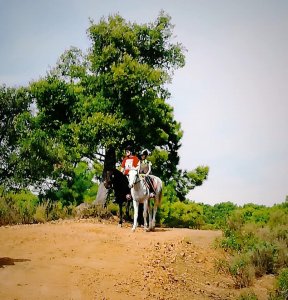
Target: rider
[130,161]
[145,170]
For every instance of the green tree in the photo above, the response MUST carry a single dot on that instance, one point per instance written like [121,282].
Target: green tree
[114,94]
[14,110]
[188,180]
[131,65]
[217,215]
[93,104]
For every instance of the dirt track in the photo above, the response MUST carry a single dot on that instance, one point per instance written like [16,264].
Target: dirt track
[90,260]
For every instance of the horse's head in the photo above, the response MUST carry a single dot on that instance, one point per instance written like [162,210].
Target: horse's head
[108,179]
[132,177]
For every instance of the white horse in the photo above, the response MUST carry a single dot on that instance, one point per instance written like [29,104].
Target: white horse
[140,194]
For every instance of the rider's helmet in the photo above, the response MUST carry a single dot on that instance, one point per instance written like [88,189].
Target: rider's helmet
[145,152]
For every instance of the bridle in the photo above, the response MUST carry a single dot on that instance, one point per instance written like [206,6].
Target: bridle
[136,178]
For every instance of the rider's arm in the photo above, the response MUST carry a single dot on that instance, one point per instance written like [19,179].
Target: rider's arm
[149,168]
[136,163]
[123,165]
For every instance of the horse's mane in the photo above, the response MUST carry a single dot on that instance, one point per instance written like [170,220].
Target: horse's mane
[120,178]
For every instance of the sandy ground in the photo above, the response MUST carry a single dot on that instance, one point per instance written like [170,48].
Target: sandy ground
[86,259]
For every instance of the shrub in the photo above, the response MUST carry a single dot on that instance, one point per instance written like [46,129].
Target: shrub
[40,215]
[95,211]
[242,271]
[281,233]
[182,214]
[281,292]
[263,258]
[278,217]
[221,265]
[114,208]
[281,256]
[250,295]
[17,208]
[231,242]
[282,283]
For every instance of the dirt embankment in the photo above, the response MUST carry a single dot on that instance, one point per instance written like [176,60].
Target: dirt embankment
[90,260]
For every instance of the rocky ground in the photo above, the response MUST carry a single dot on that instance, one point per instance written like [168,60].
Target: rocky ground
[87,259]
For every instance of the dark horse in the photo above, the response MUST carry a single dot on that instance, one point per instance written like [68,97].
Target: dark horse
[119,183]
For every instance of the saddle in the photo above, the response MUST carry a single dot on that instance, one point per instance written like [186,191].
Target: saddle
[151,184]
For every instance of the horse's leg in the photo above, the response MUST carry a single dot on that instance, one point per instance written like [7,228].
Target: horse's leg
[135,205]
[121,213]
[140,214]
[150,214]
[154,215]
[145,207]
[127,210]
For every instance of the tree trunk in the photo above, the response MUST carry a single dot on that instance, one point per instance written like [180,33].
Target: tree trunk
[110,160]
[109,164]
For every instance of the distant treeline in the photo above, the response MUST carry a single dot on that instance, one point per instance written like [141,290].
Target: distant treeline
[24,207]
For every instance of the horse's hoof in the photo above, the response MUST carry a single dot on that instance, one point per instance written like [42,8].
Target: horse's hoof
[119,225]
[133,229]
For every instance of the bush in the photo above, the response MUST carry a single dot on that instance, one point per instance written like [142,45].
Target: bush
[242,271]
[250,295]
[18,208]
[40,215]
[263,258]
[282,283]
[281,292]
[86,210]
[181,214]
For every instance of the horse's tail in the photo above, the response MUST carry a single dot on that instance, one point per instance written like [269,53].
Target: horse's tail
[160,192]
[160,196]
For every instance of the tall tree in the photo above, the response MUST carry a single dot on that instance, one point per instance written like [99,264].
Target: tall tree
[117,93]
[131,65]
[94,104]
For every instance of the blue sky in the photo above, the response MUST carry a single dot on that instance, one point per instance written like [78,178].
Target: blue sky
[231,96]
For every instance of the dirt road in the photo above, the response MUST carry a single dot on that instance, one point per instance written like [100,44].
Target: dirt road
[90,260]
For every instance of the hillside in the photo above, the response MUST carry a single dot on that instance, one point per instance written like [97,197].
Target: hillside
[86,259]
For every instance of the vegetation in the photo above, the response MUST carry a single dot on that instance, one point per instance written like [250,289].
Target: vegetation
[256,240]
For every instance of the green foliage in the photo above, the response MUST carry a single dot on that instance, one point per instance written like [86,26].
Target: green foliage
[186,181]
[217,214]
[133,64]
[263,257]
[250,295]
[95,211]
[254,245]
[282,283]
[281,292]
[76,188]
[239,268]
[14,107]
[174,213]
[278,217]
[242,271]
[17,207]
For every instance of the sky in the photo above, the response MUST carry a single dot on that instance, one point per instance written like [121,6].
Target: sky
[230,98]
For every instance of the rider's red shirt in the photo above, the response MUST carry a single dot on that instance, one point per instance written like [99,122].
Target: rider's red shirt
[129,162]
